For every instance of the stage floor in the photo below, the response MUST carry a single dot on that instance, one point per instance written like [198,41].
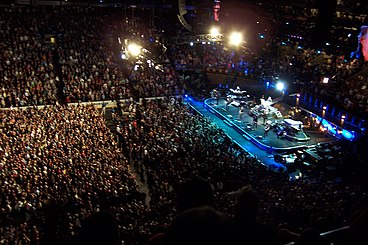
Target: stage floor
[256,135]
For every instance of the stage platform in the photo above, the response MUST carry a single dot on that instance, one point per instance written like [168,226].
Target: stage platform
[306,138]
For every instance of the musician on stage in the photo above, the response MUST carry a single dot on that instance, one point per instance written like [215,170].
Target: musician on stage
[241,112]
[255,122]
[266,129]
[264,116]
[229,99]
[216,95]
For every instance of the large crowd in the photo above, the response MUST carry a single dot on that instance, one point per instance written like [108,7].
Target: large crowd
[63,158]
[27,71]
[61,164]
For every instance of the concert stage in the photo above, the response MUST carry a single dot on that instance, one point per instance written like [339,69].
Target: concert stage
[302,138]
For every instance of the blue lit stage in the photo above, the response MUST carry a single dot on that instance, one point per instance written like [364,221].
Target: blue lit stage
[308,137]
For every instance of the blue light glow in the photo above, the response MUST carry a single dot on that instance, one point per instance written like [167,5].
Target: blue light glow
[347,134]
[187,97]
[332,129]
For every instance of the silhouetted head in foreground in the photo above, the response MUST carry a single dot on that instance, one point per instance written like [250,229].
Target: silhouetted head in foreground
[99,229]
[200,225]
[246,205]
[194,192]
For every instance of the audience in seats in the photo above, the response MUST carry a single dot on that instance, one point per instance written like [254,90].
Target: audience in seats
[61,168]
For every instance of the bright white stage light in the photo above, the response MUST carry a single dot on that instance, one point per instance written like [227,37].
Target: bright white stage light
[280,86]
[134,49]
[215,31]
[236,38]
